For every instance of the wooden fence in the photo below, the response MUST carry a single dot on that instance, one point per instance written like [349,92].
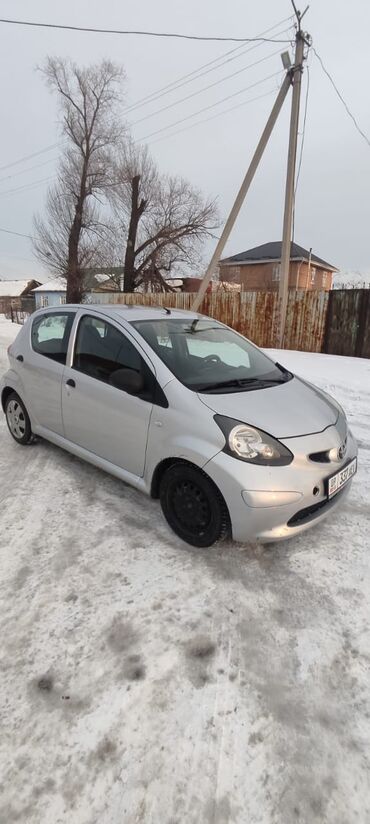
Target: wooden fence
[254,314]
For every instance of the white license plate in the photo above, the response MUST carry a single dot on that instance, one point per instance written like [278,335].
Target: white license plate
[337,481]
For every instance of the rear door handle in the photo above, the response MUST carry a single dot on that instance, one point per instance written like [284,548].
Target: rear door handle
[70,382]
[20,358]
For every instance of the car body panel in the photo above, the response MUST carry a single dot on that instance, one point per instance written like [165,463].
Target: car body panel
[105,421]
[302,476]
[41,379]
[285,410]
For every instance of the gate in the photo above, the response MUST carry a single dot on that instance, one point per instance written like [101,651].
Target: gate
[348,323]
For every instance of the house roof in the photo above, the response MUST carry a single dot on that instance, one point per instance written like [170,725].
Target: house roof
[14,288]
[55,285]
[272,251]
[91,281]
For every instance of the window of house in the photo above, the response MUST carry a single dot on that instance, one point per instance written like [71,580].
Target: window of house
[101,350]
[62,300]
[313,274]
[50,335]
[276,271]
[44,301]
[324,278]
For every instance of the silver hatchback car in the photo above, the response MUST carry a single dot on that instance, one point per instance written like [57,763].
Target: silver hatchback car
[185,409]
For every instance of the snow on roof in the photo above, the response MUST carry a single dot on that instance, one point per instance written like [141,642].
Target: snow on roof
[55,285]
[12,288]
[101,278]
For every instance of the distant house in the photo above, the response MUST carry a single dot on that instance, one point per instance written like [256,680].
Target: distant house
[186,284]
[54,292]
[258,269]
[13,293]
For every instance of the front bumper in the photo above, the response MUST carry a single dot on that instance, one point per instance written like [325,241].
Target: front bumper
[274,503]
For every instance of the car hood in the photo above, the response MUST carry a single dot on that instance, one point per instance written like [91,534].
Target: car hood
[286,410]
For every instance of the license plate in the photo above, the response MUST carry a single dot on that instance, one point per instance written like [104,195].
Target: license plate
[341,478]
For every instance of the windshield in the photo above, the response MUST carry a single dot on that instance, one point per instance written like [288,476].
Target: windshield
[209,357]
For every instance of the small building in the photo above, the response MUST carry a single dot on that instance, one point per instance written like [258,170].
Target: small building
[51,293]
[54,292]
[16,294]
[258,269]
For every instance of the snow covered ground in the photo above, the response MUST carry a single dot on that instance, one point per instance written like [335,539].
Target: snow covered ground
[145,681]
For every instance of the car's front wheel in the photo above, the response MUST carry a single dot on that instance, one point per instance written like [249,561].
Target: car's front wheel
[19,424]
[193,506]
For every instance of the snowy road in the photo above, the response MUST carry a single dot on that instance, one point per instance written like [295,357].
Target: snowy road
[143,681]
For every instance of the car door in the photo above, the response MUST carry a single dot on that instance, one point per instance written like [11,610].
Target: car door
[42,368]
[106,420]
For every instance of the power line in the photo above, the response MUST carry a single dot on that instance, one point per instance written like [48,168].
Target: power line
[30,169]
[31,156]
[205,88]
[213,116]
[303,129]
[194,75]
[35,184]
[341,98]
[207,108]
[27,186]
[140,33]
[19,234]
[198,73]
[164,137]
[301,150]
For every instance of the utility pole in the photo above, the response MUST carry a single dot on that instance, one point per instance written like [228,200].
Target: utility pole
[243,190]
[297,69]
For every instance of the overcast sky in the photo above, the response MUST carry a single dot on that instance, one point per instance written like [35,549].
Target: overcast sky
[333,198]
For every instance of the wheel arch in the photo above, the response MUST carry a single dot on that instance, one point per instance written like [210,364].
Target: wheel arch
[7,391]
[166,463]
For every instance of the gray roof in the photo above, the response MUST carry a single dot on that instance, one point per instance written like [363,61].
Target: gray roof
[272,251]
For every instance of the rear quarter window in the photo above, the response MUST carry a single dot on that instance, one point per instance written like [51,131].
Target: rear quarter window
[50,335]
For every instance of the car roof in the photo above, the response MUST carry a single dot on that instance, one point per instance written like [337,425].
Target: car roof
[126,312]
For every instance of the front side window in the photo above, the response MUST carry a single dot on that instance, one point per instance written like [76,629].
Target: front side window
[62,300]
[44,301]
[206,356]
[313,274]
[101,350]
[50,335]
[276,272]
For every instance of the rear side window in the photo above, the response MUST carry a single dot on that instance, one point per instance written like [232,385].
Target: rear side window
[50,335]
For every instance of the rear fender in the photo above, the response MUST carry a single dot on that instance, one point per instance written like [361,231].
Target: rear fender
[11,380]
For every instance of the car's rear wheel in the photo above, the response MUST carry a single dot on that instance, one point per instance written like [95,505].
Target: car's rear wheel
[19,424]
[193,506]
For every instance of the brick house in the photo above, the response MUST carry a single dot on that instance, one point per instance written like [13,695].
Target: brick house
[258,269]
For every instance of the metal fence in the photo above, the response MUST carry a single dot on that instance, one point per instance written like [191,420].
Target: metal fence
[254,314]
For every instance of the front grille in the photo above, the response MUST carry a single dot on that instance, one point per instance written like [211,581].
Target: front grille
[311,512]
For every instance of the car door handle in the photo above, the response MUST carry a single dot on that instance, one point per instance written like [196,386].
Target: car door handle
[20,358]
[70,382]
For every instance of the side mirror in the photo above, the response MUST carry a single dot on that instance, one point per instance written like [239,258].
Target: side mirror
[128,380]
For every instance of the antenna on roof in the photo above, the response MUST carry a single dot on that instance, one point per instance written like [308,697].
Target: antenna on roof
[167,310]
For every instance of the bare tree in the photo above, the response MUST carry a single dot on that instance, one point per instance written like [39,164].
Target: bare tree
[73,234]
[162,220]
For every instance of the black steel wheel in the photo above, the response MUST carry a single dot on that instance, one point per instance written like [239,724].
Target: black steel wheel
[193,506]
[19,424]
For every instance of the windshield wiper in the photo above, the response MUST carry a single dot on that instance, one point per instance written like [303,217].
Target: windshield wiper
[239,383]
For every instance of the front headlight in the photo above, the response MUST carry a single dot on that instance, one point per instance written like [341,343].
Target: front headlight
[253,445]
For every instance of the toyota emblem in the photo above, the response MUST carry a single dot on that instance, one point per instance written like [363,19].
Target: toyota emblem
[342,450]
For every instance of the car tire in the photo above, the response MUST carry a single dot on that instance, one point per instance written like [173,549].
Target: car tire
[19,424]
[193,506]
